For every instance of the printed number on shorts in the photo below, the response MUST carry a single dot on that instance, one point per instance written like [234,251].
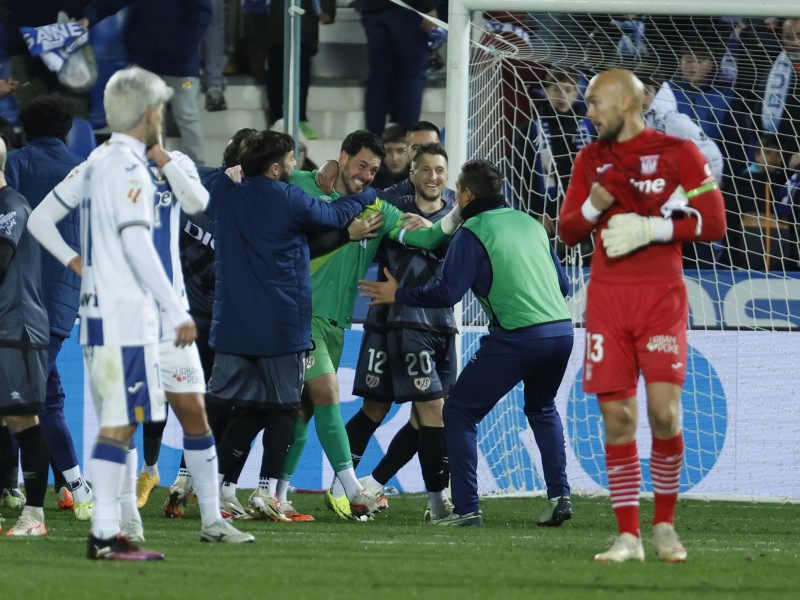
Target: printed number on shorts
[424,361]
[594,347]
[376,361]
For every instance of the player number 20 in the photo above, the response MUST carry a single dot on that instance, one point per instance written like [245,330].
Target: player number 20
[594,347]
[424,362]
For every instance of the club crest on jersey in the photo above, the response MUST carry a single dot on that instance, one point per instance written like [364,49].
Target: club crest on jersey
[8,221]
[310,362]
[649,164]
[158,176]
[372,381]
[422,383]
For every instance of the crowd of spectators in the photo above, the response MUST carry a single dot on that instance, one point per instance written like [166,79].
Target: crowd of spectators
[732,81]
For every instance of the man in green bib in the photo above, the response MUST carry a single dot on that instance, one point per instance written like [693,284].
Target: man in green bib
[505,257]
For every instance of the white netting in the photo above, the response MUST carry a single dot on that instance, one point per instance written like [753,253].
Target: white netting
[740,408]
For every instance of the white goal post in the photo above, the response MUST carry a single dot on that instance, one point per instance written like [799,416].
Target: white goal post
[741,402]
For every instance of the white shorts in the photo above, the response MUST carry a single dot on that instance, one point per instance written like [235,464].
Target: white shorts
[126,388]
[180,368]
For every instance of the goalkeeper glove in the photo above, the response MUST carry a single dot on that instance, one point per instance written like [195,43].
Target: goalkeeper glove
[629,231]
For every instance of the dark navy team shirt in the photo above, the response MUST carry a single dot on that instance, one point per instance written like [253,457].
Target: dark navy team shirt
[21,303]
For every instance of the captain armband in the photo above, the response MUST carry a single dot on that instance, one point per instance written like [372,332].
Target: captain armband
[693,212]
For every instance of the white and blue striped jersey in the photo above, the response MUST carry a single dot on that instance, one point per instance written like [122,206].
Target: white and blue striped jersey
[166,221]
[112,189]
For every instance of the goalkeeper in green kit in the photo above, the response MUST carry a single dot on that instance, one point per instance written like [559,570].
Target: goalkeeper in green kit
[334,282]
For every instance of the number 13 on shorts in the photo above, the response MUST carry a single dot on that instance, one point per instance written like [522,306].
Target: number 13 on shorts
[594,347]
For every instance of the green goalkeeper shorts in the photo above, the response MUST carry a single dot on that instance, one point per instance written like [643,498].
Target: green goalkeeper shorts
[328,341]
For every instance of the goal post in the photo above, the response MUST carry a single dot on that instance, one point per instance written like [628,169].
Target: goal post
[740,412]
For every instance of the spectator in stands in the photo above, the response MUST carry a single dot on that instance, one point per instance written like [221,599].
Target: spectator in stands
[164,38]
[660,113]
[695,93]
[270,28]
[214,58]
[394,168]
[780,109]
[759,237]
[545,148]
[30,69]
[397,42]
[788,209]
[33,171]
[8,86]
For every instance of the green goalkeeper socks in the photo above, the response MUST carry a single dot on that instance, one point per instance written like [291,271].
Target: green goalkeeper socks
[296,449]
[333,436]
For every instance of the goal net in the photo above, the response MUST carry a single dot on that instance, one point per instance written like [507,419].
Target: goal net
[732,85]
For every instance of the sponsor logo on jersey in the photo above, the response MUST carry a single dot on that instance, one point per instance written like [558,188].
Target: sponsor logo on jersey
[676,365]
[186,374]
[422,383]
[16,396]
[650,186]
[310,362]
[663,343]
[195,231]
[649,164]
[7,222]
[604,167]
[372,381]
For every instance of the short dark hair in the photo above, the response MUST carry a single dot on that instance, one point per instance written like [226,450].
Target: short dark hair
[482,177]
[230,156]
[696,47]
[262,149]
[424,126]
[356,141]
[561,74]
[394,134]
[47,116]
[435,149]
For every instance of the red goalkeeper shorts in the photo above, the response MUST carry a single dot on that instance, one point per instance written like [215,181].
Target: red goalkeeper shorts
[632,328]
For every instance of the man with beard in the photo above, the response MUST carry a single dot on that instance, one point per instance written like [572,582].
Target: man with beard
[123,286]
[261,325]
[334,278]
[627,186]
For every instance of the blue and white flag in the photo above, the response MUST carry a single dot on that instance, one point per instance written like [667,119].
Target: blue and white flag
[64,50]
[54,43]
[775,92]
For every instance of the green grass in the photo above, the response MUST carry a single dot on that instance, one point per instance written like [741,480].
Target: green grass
[736,550]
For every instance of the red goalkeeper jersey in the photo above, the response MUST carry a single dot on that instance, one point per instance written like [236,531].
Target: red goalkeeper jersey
[641,174]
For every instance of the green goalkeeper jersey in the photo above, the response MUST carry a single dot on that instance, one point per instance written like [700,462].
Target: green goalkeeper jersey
[335,276]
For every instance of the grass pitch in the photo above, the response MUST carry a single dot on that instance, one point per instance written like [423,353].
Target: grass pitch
[736,550]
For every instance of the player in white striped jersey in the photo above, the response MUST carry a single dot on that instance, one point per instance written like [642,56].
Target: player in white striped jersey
[178,187]
[122,281]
